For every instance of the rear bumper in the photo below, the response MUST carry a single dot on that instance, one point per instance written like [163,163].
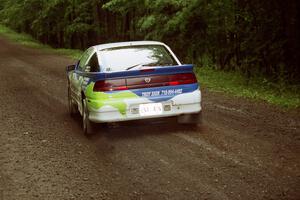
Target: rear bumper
[115,116]
[187,103]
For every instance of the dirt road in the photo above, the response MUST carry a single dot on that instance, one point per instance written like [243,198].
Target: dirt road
[244,150]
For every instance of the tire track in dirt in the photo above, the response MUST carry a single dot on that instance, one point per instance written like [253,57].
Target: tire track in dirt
[244,150]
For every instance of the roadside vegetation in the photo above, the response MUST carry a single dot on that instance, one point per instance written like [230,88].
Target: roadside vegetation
[28,40]
[259,88]
[244,48]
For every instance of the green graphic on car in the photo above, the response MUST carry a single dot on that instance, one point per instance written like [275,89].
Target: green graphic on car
[99,99]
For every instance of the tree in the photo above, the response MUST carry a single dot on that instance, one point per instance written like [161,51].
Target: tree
[253,37]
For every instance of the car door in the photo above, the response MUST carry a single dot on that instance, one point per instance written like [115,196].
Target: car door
[79,74]
[91,66]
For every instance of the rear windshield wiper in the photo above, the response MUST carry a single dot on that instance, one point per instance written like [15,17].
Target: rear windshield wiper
[140,64]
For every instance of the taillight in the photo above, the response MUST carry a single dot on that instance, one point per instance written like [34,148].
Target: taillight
[110,85]
[145,82]
[180,79]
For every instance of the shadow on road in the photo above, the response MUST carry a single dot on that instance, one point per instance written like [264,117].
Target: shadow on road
[138,128]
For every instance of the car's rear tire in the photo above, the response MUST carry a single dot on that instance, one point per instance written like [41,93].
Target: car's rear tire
[71,106]
[191,119]
[87,125]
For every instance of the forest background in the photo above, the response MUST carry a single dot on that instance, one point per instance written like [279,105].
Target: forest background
[257,41]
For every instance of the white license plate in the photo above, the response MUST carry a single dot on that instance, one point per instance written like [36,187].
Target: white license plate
[150,109]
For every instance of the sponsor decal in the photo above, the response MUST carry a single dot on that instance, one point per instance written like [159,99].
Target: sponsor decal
[156,93]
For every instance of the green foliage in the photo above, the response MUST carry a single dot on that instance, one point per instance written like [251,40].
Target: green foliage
[254,38]
[24,39]
[27,40]
[56,22]
[260,88]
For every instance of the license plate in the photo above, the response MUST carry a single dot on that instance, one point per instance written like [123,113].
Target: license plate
[150,109]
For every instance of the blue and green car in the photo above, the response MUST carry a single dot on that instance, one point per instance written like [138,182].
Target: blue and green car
[132,81]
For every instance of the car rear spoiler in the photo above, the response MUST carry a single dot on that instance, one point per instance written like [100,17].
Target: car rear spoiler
[145,71]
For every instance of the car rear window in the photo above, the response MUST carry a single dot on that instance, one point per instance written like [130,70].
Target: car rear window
[131,57]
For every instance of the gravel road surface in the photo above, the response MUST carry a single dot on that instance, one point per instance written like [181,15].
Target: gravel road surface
[244,149]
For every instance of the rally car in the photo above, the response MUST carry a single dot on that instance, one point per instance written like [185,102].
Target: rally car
[132,81]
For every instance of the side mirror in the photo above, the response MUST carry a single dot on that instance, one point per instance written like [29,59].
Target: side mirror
[70,68]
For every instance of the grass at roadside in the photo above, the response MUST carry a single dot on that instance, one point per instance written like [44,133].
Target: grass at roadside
[27,40]
[229,82]
[259,88]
